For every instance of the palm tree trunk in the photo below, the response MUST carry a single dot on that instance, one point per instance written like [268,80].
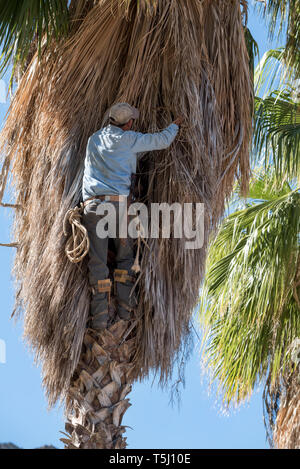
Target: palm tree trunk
[287,427]
[97,401]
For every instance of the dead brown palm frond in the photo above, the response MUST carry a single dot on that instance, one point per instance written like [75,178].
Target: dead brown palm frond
[186,57]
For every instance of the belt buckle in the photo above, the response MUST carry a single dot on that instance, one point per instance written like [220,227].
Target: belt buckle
[118,198]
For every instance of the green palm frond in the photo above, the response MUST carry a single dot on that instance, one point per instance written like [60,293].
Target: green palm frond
[285,15]
[265,186]
[252,48]
[23,22]
[277,132]
[248,303]
[272,70]
[278,12]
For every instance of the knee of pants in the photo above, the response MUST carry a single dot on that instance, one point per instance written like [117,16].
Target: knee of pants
[99,303]
[126,294]
[98,270]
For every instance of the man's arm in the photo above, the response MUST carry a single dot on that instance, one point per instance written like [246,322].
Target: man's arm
[156,141]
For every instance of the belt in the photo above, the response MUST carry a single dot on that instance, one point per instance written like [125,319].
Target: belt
[107,198]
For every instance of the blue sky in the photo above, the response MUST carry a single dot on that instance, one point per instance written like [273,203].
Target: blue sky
[198,423]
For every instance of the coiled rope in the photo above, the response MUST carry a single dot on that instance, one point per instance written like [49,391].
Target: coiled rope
[78,244]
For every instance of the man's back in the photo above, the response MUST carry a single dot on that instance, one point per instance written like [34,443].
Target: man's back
[111,158]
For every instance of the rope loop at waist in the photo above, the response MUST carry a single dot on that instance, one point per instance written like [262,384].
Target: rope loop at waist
[78,243]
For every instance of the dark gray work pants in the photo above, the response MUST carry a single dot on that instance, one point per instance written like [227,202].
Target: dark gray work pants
[97,265]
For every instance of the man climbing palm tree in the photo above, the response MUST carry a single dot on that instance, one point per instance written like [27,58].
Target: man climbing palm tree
[111,157]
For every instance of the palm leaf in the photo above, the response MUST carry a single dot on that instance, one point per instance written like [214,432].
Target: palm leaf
[277,132]
[265,186]
[248,307]
[272,71]
[284,15]
[252,48]
[22,23]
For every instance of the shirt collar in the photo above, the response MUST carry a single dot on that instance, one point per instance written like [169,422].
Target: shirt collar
[115,128]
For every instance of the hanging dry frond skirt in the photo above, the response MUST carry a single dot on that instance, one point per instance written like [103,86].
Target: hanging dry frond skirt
[184,57]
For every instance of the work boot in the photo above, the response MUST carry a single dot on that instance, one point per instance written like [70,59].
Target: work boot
[99,304]
[126,300]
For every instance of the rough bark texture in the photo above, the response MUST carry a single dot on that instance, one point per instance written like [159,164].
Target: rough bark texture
[97,401]
[287,427]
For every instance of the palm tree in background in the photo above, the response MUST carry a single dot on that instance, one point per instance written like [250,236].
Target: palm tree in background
[250,304]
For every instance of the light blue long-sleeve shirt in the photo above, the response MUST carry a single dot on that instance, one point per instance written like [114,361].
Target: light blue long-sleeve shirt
[111,157]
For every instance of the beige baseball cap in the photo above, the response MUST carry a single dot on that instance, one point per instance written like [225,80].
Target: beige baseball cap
[121,113]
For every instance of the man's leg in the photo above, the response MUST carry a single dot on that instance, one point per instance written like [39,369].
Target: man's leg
[124,277]
[98,270]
